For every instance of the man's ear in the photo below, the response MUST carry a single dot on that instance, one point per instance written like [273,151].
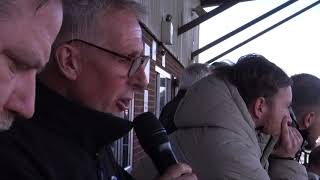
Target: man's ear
[308,118]
[68,61]
[259,108]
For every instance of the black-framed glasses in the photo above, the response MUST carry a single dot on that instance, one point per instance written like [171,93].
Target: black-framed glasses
[136,63]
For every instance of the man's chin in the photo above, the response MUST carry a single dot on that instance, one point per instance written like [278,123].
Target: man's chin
[6,120]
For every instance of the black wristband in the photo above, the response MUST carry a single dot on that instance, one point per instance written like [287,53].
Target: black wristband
[283,158]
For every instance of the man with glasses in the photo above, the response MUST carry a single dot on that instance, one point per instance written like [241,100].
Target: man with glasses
[96,66]
[136,63]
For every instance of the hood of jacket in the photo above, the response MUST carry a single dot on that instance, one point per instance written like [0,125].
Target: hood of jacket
[219,100]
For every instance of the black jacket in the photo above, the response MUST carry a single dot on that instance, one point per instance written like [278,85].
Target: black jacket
[168,111]
[63,141]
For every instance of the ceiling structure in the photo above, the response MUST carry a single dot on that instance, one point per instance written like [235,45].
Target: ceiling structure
[208,3]
[223,5]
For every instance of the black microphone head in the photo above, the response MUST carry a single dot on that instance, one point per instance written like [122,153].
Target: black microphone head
[154,140]
[149,130]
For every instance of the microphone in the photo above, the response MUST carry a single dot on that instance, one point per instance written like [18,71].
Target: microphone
[154,140]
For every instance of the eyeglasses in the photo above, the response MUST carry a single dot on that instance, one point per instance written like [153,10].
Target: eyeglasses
[136,63]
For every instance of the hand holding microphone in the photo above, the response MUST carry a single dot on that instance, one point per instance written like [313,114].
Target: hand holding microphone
[178,171]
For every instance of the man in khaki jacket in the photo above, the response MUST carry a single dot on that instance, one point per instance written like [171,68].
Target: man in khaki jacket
[219,140]
[226,137]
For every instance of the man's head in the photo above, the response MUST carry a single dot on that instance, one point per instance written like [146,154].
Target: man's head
[306,105]
[192,74]
[28,28]
[93,57]
[265,89]
[216,65]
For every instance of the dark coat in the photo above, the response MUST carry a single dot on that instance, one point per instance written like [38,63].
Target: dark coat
[63,141]
[168,111]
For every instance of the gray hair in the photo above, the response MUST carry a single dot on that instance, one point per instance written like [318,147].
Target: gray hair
[79,19]
[192,74]
[7,7]
[219,64]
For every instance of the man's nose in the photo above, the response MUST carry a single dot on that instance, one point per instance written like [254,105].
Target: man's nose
[22,98]
[139,79]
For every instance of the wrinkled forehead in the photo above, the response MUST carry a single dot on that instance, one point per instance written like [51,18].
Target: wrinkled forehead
[120,27]
[130,26]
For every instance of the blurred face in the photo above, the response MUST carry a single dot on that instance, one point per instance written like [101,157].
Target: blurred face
[277,110]
[103,83]
[25,43]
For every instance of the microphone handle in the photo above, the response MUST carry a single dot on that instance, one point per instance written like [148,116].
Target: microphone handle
[163,159]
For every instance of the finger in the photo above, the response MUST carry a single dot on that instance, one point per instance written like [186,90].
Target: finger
[188,177]
[294,135]
[284,136]
[297,135]
[177,170]
[296,141]
[293,139]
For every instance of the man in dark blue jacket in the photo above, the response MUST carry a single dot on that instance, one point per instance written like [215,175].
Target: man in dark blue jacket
[190,75]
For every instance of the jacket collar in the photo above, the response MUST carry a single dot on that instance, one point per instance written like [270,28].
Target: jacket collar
[89,128]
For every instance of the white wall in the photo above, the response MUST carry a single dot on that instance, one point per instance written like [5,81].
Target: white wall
[181,11]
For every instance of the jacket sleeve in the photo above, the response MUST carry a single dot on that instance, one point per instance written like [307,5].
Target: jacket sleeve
[215,153]
[286,170]
[241,163]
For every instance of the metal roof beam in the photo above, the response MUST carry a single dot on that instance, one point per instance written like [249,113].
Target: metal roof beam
[208,3]
[201,19]
[265,31]
[243,27]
